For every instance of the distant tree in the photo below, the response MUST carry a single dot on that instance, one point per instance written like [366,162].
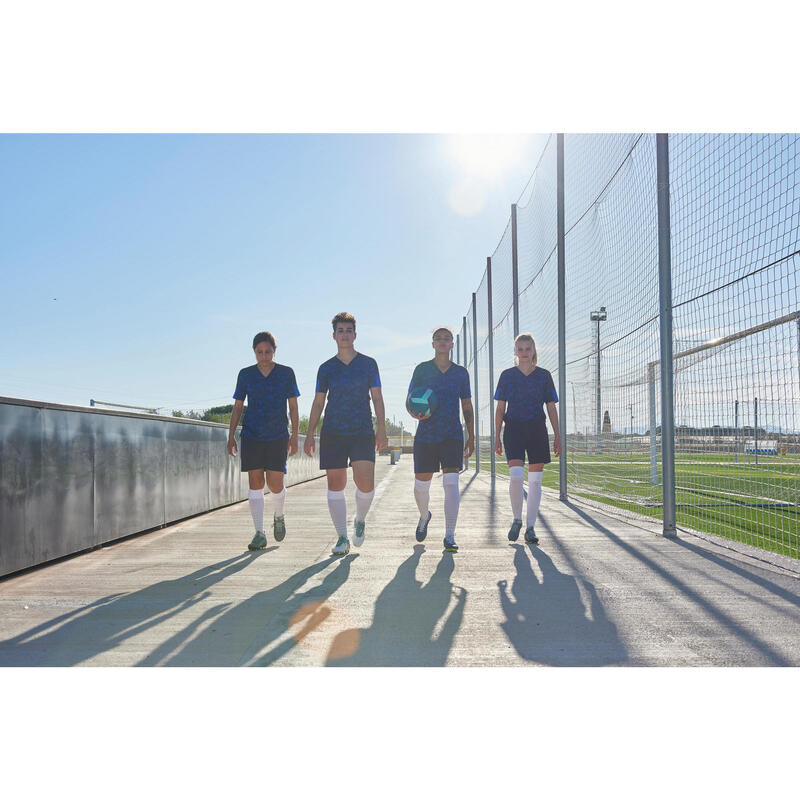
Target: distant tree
[187,414]
[303,424]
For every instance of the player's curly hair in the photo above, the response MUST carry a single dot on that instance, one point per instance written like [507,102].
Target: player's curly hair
[264,336]
[343,316]
[526,337]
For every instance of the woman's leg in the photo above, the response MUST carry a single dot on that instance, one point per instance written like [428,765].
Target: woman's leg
[534,492]
[255,498]
[452,501]
[364,479]
[277,491]
[337,505]
[516,474]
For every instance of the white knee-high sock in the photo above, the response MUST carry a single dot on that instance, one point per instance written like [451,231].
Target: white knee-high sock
[256,498]
[363,502]
[422,494]
[534,496]
[337,505]
[517,475]
[452,498]
[278,501]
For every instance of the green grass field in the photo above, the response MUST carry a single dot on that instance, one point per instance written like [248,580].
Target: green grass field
[747,502]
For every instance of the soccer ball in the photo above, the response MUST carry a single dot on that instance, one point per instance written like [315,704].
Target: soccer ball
[422,401]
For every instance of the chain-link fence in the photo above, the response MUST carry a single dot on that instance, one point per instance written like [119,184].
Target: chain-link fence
[733,320]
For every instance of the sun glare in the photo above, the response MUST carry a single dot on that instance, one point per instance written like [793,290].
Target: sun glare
[489,155]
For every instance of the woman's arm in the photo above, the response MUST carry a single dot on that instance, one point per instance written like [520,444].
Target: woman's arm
[295,420]
[236,415]
[499,413]
[313,419]
[553,414]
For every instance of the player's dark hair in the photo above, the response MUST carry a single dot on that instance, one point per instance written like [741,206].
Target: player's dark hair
[343,316]
[264,336]
[443,328]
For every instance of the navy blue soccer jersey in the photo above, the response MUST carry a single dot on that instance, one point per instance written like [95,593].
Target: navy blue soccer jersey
[265,420]
[347,412]
[525,394]
[448,387]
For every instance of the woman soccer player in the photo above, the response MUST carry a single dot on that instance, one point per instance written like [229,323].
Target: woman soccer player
[349,381]
[521,392]
[265,437]
[439,441]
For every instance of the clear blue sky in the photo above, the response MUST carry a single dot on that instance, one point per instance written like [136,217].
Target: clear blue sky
[138,267]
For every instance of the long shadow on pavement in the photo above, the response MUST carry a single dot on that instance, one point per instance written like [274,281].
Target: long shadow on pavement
[234,631]
[103,625]
[546,620]
[308,607]
[407,613]
[754,574]
[716,612]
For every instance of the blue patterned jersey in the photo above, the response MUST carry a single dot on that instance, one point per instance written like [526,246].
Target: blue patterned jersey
[449,387]
[525,394]
[265,420]
[347,386]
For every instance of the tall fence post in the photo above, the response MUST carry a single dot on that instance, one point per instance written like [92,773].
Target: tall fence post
[491,365]
[562,319]
[465,361]
[514,268]
[665,325]
[475,391]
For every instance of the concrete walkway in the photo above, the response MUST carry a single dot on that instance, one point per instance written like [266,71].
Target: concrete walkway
[597,592]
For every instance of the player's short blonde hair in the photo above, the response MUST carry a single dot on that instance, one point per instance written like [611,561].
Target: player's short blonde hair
[526,337]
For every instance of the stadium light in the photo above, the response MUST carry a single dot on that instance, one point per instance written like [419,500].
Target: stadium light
[598,317]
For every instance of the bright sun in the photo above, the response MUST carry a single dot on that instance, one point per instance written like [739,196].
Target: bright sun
[479,161]
[489,155]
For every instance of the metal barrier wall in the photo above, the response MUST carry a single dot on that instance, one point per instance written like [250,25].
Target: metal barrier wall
[72,478]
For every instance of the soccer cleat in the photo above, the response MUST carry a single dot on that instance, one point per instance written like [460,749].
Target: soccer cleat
[530,535]
[513,531]
[422,528]
[358,532]
[342,546]
[259,541]
[450,545]
[279,528]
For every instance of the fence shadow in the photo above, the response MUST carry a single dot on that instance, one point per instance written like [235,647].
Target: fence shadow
[546,619]
[412,626]
[715,611]
[79,635]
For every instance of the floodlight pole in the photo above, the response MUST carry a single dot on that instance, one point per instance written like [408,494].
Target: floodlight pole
[598,317]
[651,385]
[491,363]
[755,428]
[665,319]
